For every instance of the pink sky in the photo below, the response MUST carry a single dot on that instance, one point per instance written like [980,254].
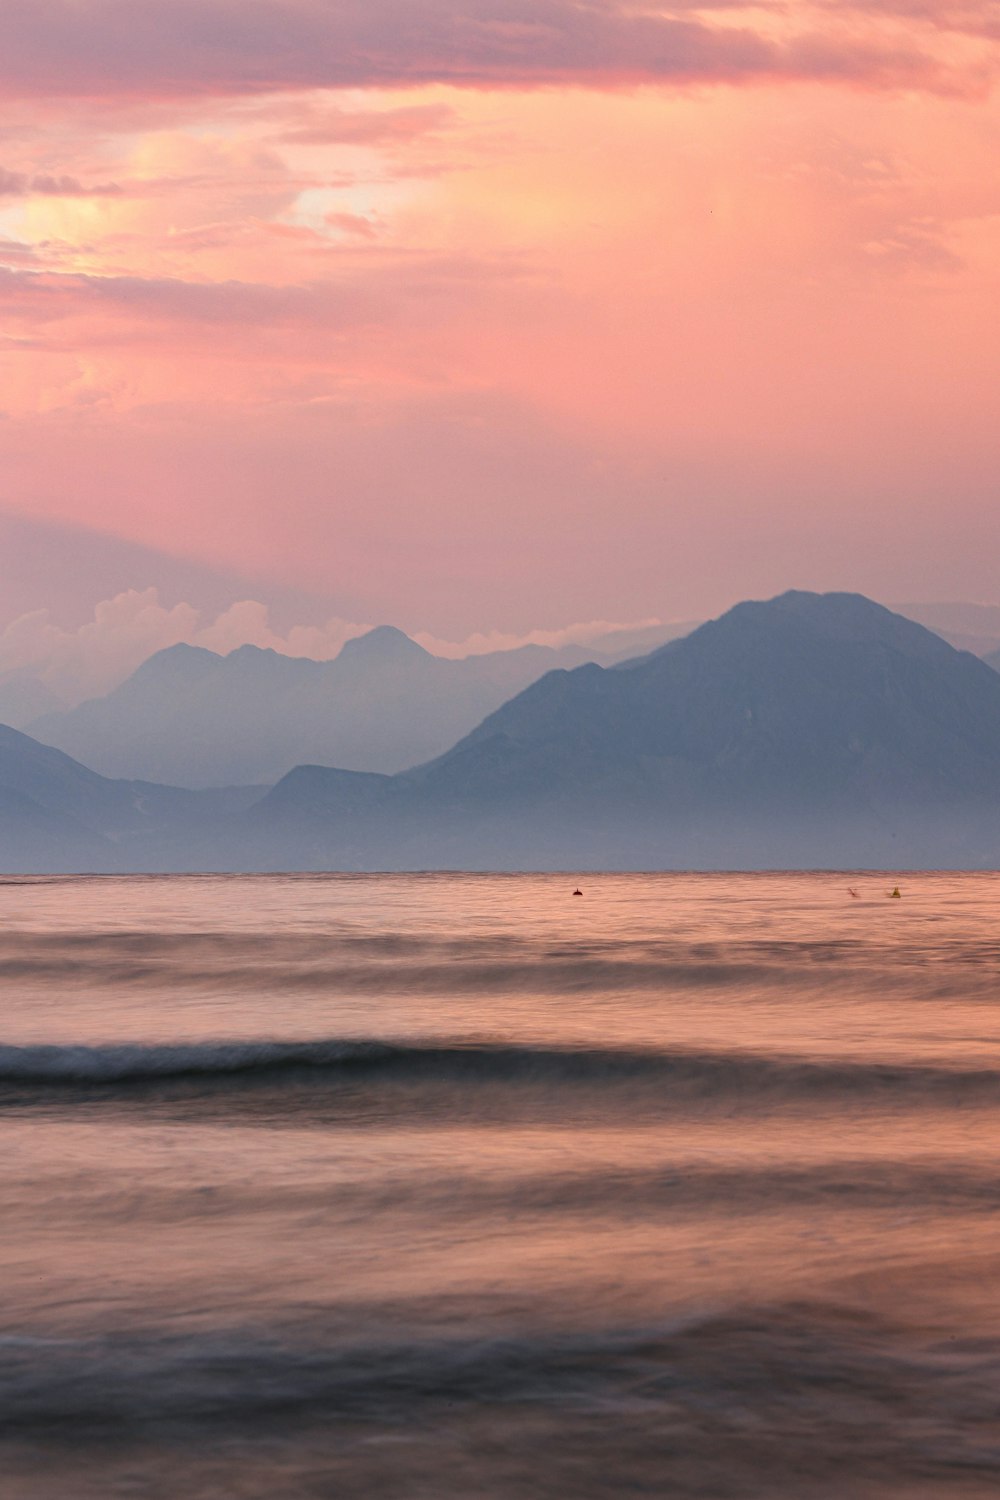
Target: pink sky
[494,315]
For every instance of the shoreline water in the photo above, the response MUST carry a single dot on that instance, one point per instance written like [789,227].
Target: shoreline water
[448,1186]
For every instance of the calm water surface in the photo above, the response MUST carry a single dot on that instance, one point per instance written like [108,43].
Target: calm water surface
[462,1186]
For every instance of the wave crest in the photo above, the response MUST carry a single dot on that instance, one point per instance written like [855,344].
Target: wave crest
[727,1078]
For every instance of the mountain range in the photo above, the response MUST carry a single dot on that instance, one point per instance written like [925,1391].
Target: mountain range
[806,731]
[57,816]
[193,718]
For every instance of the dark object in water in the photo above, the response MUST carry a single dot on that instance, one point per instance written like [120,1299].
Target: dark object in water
[894,894]
[578,892]
[851,891]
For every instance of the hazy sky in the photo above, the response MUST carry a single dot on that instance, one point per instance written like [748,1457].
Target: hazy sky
[484,315]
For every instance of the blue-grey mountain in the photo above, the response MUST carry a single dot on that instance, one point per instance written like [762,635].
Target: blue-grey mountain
[57,816]
[808,731]
[195,719]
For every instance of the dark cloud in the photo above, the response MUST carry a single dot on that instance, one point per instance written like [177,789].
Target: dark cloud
[93,48]
[23,185]
[16,252]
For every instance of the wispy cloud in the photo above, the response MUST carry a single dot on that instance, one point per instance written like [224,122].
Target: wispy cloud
[975,18]
[582,633]
[323,124]
[45,296]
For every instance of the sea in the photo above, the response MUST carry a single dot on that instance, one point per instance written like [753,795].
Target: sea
[468,1187]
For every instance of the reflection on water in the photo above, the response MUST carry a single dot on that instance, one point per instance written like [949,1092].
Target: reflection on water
[455,1186]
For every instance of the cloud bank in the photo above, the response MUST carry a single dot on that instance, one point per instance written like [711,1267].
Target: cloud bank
[482,314]
[126,630]
[174,48]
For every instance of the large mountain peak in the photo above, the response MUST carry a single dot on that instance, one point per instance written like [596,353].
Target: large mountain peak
[840,616]
[383,646]
[181,660]
[795,617]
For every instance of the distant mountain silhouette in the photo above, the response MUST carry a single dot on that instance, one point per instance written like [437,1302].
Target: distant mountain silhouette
[808,730]
[58,816]
[192,718]
[384,646]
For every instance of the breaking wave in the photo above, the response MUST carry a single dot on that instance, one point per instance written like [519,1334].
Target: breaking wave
[726,1078]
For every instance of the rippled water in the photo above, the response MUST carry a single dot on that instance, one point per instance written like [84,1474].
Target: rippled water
[462,1186]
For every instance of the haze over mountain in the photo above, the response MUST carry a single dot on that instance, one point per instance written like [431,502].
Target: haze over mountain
[24,698]
[811,730]
[193,718]
[49,670]
[970,627]
[57,816]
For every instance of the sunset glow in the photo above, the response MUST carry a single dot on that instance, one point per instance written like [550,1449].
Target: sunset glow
[477,315]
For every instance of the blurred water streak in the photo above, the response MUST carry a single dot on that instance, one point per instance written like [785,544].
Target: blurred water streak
[456,1186]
